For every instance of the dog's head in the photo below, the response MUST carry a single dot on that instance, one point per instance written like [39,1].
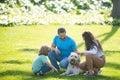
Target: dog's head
[74,58]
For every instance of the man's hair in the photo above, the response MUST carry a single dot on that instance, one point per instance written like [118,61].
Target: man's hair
[61,30]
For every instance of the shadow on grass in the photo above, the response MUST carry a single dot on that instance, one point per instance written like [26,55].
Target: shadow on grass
[28,49]
[109,34]
[15,62]
[77,77]
[50,75]
[113,65]
[81,77]
[109,53]
[102,34]
[80,45]
[27,75]
[14,73]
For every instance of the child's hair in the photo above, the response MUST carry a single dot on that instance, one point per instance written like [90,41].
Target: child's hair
[44,50]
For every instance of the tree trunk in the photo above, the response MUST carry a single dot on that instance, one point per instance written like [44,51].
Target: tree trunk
[116,9]
[2,1]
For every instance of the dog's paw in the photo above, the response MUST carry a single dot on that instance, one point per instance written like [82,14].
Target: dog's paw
[62,74]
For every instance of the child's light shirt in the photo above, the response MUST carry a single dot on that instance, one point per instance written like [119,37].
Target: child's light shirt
[38,63]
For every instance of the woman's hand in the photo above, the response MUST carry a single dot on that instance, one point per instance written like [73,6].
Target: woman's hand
[81,54]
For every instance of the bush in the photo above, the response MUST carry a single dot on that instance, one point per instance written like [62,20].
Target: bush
[17,12]
[116,22]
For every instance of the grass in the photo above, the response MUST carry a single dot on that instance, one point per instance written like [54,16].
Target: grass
[19,46]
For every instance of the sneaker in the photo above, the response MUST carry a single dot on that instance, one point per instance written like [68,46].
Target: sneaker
[85,73]
[40,73]
[97,71]
[89,73]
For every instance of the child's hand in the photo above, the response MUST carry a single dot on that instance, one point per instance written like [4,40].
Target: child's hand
[56,70]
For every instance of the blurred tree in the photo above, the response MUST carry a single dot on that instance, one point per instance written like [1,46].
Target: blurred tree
[116,9]
[18,2]
[2,1]
[38,2]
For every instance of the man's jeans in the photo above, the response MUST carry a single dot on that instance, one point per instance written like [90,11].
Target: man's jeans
[56,57]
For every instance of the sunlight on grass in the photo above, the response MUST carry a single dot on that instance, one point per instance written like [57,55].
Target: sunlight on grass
[19,46]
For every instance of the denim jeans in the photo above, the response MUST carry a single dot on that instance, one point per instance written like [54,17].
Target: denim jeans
[56,57]
[44,69]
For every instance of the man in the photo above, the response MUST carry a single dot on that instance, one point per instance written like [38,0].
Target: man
[62,46]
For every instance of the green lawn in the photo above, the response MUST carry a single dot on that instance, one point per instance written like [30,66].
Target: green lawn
[19,46]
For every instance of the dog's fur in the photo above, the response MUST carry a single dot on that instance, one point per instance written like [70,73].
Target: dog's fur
[72,69]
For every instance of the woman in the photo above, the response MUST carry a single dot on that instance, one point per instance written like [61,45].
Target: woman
[94,55]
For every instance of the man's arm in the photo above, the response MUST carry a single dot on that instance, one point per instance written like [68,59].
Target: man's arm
[53,47]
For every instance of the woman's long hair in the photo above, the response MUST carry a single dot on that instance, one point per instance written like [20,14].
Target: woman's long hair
[90,40]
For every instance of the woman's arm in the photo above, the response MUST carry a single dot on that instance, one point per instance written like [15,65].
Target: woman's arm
[76,51]
[91,51]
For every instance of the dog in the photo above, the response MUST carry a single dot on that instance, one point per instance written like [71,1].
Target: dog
[72,69]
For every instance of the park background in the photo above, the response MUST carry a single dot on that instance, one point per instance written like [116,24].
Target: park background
[25,25]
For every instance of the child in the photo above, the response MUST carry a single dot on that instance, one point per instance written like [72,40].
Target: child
[41,64]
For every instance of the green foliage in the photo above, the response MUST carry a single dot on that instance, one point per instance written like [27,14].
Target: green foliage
[107,4]
[38,2]
[2,1]
[116,22]
[27,12]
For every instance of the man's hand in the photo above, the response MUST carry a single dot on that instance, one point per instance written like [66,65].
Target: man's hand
[53,47]
[57,51]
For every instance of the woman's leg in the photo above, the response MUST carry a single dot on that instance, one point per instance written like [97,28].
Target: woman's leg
[83,66]
[93,61]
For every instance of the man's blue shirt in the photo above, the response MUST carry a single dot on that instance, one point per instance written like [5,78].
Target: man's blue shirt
[65,46]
